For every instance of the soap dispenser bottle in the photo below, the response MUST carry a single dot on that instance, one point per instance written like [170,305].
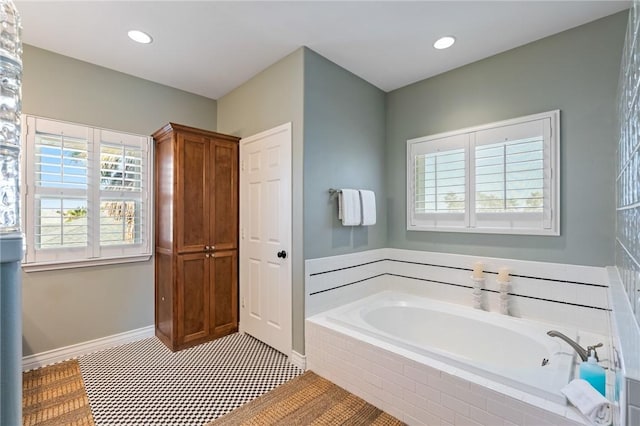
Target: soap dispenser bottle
[593,373]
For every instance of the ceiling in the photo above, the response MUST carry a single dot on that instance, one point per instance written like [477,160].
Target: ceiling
[211,47]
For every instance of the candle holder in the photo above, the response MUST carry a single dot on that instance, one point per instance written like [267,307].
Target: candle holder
[505,286]
[478,285]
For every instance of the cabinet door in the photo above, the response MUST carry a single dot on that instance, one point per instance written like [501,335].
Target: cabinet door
[193,293]
[224,293]
[224,194]
[164,192]
[164,295]
[192,196]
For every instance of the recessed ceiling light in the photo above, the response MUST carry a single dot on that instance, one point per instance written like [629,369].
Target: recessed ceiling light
[140,36]
[444,42]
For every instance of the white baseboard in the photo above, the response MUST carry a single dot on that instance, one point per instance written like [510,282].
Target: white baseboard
[298,360]
[42,359]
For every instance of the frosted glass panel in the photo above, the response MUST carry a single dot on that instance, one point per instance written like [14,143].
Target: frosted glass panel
[628,159]
[9,195]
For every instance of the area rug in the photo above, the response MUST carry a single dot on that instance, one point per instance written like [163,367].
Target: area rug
[55,395]
[307,400]
[144,383]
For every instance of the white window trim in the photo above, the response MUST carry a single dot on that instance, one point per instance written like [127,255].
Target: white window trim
[469,225]
[52,266]
[101,255]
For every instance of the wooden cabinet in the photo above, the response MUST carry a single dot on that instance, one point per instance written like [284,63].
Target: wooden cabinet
[196,228]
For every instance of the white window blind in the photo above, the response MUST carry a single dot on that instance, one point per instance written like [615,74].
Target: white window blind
[501,181]
[510,176]
[122,187]
[513,176]
[86,197]
[439,182]
[60,188]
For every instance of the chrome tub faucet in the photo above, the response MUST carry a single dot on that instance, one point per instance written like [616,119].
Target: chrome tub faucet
[582,352]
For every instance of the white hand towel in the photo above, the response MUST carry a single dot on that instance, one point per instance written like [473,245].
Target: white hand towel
[368,204]
[349,207]
[589,401]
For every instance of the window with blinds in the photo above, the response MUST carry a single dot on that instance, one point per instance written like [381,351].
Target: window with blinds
[86,197]
[440,182]
[510,176]
[121,191]
[496,178]
[60,180]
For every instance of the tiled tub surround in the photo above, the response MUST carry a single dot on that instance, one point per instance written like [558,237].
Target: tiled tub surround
[423,390]
[418,389]
[626,343]
[561,294]
[505,349]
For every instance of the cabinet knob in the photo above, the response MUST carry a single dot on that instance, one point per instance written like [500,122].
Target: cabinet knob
[206,247]
[282,254]
[206,255]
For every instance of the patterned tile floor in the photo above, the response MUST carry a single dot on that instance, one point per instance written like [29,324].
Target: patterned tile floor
[144,383]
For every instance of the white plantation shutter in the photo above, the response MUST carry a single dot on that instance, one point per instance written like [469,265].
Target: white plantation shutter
[123,203]
[496,178]
[439,182]
[86,193]
[512,176]
[441,177]
[60,155]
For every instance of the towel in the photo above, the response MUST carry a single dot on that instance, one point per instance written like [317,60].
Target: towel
[368,204]
[349,207]
[588,401]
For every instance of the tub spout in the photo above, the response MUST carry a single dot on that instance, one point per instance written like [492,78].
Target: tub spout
[582,352]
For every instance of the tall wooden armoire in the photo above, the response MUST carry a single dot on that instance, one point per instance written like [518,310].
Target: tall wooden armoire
[196,233]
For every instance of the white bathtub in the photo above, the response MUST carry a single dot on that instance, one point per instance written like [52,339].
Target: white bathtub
[504,349]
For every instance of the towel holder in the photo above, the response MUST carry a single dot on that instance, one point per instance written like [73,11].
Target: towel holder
[333,192]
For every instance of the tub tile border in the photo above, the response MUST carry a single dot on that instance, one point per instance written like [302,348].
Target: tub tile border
[447,399]
[467,286]
[581,287]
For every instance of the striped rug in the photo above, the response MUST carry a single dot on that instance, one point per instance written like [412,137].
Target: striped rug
[307,400]
[55,395]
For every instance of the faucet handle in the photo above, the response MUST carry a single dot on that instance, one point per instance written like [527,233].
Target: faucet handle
[593,348]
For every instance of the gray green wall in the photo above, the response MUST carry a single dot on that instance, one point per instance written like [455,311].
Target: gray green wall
[345,133]
[271,98]
[338,119]
[575,71]
[57,86]
[344,139]
[65,307]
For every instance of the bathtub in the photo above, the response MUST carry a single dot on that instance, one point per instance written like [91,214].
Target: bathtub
[510,351]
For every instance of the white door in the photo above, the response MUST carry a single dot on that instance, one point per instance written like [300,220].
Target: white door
[265,237]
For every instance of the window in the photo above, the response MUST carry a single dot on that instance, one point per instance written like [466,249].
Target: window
[86,198]
[497,178]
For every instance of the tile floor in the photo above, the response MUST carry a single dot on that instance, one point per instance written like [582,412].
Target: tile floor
[144,383]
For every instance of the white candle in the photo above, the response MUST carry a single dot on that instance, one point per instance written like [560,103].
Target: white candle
[503,274]
[478,270]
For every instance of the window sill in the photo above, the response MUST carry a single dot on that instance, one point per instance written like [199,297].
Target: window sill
[52,266]
[501,231]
